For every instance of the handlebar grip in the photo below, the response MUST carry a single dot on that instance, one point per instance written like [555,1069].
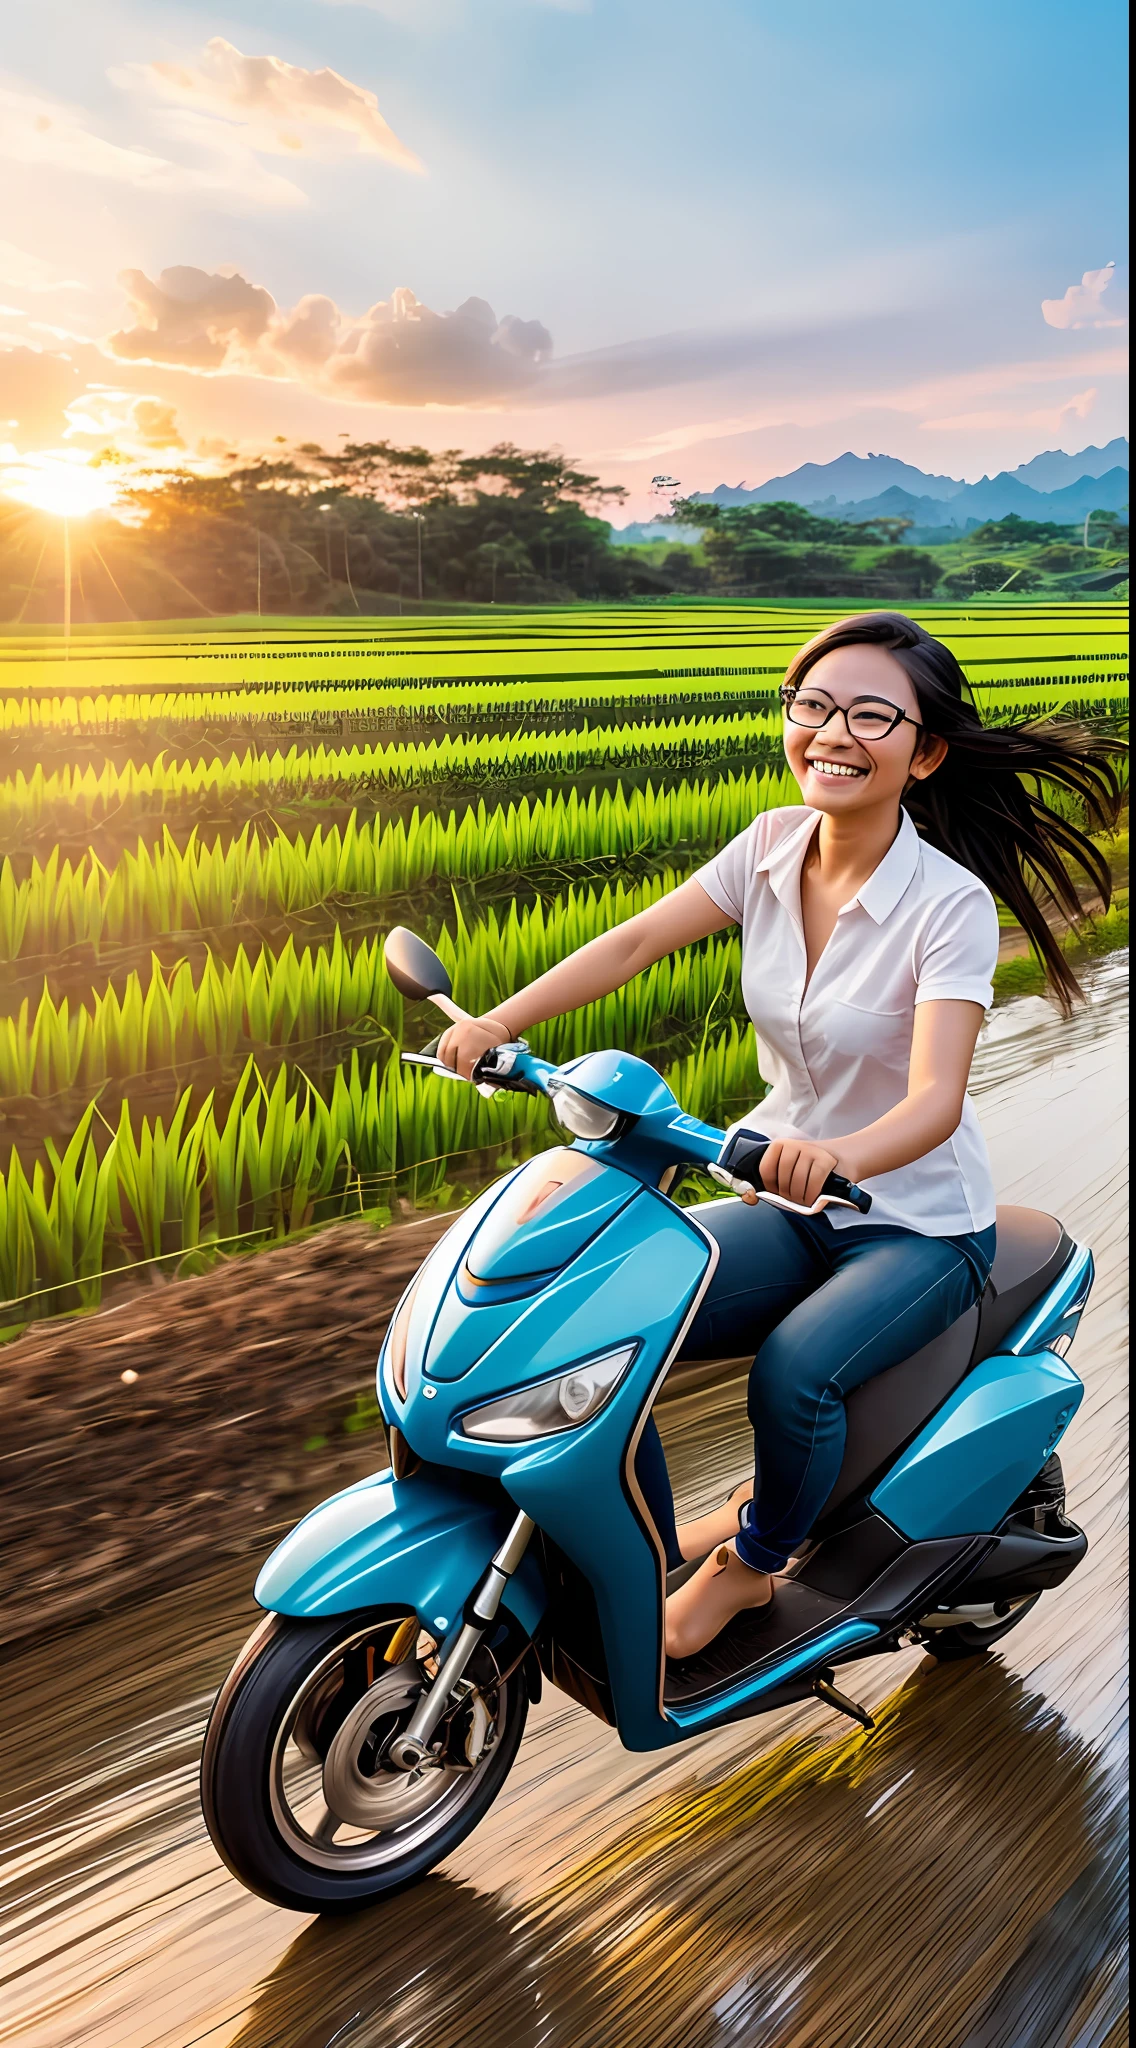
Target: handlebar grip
[744,1151]
[847,1191]
[487,1071]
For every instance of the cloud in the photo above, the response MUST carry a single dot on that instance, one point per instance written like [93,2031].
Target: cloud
[37,385]
[155,423]
[34,130]
[136,425]
[399,352]
[51,136]
[196,320]
[1083,304]
[280,108]
[31,273]
[1048,419]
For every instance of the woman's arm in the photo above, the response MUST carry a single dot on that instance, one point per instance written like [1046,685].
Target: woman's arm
[604,964]
[942,1048]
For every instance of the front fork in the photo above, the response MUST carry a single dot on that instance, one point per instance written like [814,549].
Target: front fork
[410,1750]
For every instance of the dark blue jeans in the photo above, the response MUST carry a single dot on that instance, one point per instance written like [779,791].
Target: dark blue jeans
[824,1310]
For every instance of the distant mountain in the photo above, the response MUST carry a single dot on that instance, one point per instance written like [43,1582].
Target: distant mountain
[1094,480]
[851,478]
[992,498]
[1055,469]
[893,504]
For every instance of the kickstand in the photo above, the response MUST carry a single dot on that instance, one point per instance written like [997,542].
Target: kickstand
[826,1691]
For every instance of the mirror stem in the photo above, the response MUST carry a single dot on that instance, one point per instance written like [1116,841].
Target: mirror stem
[450,1008]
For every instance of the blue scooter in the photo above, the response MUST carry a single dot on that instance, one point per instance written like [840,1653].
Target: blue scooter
[372,1718]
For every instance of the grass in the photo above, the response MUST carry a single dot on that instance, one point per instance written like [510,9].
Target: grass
[196,1052]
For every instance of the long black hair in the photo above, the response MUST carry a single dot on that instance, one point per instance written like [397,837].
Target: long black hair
[984,804]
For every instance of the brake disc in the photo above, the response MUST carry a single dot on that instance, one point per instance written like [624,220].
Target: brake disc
[359,1787]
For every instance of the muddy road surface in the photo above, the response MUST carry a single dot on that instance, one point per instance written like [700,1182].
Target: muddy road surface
[953,1881]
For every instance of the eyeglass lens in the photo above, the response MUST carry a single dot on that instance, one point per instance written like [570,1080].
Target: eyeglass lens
[870,719]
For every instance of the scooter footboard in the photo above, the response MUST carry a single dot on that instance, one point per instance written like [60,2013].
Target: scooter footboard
[420,1542]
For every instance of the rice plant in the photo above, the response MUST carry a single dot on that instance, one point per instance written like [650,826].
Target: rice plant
[279,1157]
[174,1022]
[170,889]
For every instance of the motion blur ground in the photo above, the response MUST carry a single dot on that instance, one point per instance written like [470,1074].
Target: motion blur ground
[951,1879]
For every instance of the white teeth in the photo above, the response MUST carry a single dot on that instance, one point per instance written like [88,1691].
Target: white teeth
[835,768]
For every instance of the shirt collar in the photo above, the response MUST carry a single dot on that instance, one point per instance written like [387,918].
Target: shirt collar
[884,887]
[879,894]
[785,859]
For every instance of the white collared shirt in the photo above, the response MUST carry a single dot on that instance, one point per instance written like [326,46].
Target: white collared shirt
[922,929]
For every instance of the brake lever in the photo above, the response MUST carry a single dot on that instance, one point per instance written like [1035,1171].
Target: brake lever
[746,1187]
[445,1073]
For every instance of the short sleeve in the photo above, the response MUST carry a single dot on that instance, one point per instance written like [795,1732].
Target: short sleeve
[725,877]
[958,951]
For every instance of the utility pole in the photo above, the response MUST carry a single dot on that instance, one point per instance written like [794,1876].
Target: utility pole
[66,590]
[327,547]
[418,518]
[258,612]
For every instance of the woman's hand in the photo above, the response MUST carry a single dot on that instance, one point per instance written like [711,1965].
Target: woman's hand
[461,1045]
[797,1169]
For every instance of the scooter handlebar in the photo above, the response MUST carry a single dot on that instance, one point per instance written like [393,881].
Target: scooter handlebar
[514,1068]
[739,1164]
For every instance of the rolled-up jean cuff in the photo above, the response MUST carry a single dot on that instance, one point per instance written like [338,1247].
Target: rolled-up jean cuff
[755,1553]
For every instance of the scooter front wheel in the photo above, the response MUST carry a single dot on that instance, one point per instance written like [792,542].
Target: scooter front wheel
[298,1792]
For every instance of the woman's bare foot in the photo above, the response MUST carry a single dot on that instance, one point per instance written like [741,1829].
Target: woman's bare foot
[719,1589]
[696,1538]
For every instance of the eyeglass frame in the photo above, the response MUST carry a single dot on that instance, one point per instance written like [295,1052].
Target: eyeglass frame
[788,694]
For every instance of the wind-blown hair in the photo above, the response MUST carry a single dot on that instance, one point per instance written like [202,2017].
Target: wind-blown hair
[985,804]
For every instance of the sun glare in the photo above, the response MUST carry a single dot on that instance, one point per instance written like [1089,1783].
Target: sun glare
[68,490]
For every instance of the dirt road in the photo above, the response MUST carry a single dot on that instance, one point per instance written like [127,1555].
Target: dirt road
[952,1881]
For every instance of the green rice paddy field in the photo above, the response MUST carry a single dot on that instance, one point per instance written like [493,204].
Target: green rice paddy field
[205,833]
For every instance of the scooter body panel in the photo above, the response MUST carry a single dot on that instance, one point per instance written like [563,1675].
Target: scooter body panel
[420,1543]
[636,1281]
[569,1259]
[965,1469]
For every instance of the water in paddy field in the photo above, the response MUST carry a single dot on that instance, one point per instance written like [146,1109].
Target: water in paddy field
[953,1881]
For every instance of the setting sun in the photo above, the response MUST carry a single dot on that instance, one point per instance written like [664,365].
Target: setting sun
[67,489]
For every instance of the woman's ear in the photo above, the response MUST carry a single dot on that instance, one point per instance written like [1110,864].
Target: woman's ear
[929,755]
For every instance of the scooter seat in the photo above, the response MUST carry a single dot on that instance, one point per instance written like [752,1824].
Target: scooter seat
[1032,1248]
[886,1412]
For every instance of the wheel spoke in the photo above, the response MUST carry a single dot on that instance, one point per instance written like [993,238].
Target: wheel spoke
[326,1827]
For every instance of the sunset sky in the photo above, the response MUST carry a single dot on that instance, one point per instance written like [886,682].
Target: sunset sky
[717,239]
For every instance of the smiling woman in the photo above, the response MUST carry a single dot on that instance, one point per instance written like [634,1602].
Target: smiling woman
[869,937]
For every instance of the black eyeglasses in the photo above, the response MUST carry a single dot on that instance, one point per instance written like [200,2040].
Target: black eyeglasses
[867,718]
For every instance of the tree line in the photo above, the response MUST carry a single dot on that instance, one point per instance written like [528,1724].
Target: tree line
[372,527]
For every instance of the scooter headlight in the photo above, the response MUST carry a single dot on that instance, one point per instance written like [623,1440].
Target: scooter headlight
[551,1405]
[581,1114]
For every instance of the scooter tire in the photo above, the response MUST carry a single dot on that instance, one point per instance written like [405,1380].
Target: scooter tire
[237,1762]
[949,1645]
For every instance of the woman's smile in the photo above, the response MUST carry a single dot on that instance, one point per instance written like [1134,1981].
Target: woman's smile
[821,765]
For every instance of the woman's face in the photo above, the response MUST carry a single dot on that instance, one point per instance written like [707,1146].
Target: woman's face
[840,774]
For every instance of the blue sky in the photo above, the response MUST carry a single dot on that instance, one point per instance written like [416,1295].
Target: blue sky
[721,239]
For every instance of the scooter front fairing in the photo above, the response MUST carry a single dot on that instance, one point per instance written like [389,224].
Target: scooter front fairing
[634,1268]
[619,1271]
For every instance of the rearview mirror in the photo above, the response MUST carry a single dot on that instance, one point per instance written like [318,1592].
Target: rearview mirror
[413,966]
